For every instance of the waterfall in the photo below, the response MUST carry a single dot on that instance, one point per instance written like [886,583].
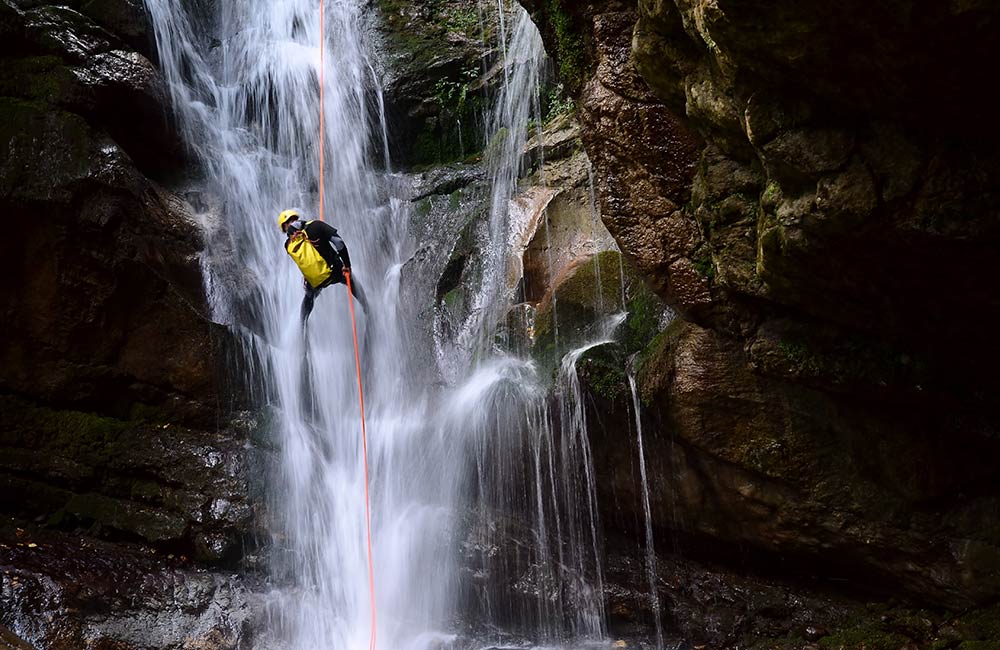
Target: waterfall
[506,136]
[483,498]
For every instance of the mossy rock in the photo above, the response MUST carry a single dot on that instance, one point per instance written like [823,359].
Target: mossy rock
[127,516]
[866,636]
[602,369]
[39,78]
[981,625]
[892,628]
[834,359]
[85,437]
[569,317]
[589,293]
[435,86]
[562,22]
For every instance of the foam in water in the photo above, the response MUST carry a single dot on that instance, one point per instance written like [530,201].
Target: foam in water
[483,500]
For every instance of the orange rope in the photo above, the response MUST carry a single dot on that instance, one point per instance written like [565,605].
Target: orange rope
[322,131]
[354,330]
[364,446]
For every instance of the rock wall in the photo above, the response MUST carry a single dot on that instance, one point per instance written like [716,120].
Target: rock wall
[113,422]
[814,189]
[65,592]
[436,54]
[104,306]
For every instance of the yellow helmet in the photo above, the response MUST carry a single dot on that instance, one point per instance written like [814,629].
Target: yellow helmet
[285,217]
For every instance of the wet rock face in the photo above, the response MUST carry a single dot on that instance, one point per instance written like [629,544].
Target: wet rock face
[708,605]
[436,54]
[64,592]
[644,159]
[106,306]
[801,182]
[748,459]
[109,364]
[188,492]
[831,141]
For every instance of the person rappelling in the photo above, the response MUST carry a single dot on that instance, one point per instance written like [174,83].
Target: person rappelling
[321,255]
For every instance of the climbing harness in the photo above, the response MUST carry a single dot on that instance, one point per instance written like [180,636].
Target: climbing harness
[354,332]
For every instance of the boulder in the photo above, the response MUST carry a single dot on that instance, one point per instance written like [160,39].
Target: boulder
[805,474]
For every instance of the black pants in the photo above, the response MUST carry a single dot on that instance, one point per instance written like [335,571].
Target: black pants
[337,278]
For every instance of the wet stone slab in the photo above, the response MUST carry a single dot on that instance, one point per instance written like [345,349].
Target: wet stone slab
[64,592]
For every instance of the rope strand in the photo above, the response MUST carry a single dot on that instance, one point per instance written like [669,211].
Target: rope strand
[354,331]
[364,447]
[322,129]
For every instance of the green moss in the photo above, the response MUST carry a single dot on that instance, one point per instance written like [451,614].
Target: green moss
[152,525]
[643,321]
[576,298]
[148,491]
[41,78]
[557,104]
[424,207]
[574,310]
[883,627]
[86,437]
[602,368]
[452,297]
[496,142]
[800,357]
[849,360]
[456,132]
[771,193]
[464,20]
[866,636]
[426,149]
[570,49]
[981,625]
[704,265]
[425,52]
[654,360]
[790,642]
[149,414]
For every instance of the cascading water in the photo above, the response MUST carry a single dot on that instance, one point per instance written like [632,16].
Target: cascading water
[507,133]
[249,108]
[455,473]
[654,596]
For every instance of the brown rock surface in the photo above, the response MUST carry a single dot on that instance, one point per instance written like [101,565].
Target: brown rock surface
[815,187]
[643,158]
[64,592]
[793,470]
[104,307]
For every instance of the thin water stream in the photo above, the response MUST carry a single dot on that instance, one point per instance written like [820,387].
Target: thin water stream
[484,512]
[654,596]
